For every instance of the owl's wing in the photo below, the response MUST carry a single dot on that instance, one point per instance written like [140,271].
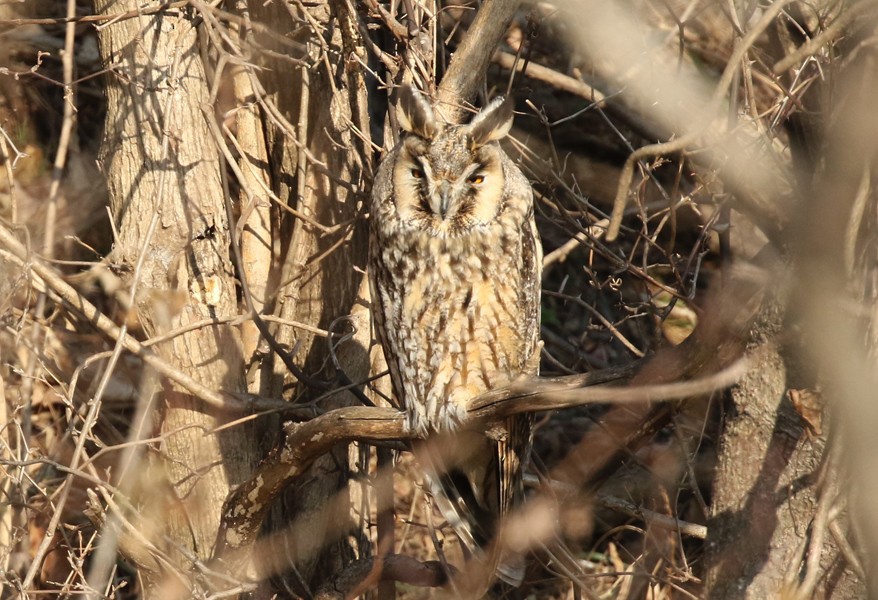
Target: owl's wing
[379,281]
[513,453]
[529,296]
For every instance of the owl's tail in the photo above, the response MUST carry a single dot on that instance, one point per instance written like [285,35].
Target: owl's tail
[475,481]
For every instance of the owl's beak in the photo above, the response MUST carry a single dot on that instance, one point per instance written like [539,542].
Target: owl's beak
[443,206]
[444,199]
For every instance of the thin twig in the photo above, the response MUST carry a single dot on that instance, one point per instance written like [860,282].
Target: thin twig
[102,323]
[653,518]
[554,78]
[48,250]
[604,321]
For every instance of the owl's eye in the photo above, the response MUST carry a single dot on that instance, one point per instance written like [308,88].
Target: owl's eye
[417,173]
[476,179]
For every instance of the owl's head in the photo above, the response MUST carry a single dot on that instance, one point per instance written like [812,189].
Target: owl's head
[449,178]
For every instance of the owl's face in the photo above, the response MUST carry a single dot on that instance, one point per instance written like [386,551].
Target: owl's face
[449,178]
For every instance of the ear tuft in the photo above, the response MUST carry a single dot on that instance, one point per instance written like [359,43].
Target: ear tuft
[493,122]
[415,114]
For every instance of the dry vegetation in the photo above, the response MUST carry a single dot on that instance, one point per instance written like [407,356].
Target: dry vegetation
[190,405]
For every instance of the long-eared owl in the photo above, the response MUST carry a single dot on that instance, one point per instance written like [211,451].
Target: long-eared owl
[455,265]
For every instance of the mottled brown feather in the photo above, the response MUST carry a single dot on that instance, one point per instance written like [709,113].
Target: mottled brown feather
[455,266]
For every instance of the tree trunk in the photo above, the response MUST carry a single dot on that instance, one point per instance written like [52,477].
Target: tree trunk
[163,173]
[774,476]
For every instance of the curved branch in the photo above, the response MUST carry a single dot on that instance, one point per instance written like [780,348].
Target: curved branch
[247,506]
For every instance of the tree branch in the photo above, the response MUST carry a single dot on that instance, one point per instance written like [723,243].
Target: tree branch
[361,575]
[81,305]
[468,65]
[247,506]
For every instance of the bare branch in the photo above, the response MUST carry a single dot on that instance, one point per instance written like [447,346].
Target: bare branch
[106,326]
[467,69]
[653,518]
[246,507]
[363,574]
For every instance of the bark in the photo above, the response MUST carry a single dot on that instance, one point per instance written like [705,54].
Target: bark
[163,175]
[774,477]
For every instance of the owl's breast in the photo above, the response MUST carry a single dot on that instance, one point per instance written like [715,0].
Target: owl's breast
[454,324]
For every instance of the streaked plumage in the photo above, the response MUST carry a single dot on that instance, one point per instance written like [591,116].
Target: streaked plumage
[455,264]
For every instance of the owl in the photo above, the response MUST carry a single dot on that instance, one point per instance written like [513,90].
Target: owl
[455,265]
